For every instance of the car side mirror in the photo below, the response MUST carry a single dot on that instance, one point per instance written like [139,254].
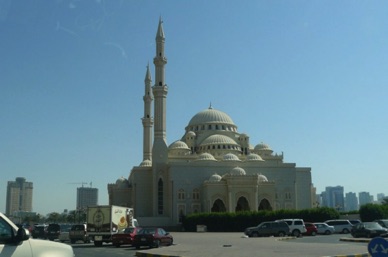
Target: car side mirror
[22,235]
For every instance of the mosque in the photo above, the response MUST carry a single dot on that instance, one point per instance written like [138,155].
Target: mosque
[212,168]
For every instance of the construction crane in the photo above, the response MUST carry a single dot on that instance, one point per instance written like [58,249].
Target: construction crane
[81,183]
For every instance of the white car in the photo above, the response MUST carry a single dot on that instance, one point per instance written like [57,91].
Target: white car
[297,226]
[16,242]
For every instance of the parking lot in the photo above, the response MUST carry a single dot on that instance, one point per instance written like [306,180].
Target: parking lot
[236,244]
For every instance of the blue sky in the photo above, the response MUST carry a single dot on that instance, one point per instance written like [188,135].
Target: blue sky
[309,78]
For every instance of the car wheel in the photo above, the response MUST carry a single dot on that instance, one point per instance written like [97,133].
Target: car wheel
[296,233]
[97,243]
[281,234]
[117,245]
[327,232]
[255,234]
[345,231]
[313,233]
[157,244]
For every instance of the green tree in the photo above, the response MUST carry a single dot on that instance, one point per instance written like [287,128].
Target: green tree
[54,217]
[371,212]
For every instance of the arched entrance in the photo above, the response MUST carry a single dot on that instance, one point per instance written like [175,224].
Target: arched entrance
[265,205]
[218,206]
[242,204]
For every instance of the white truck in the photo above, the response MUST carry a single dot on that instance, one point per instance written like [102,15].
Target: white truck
[16,242]
[105,220]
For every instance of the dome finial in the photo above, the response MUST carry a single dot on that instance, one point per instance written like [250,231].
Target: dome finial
[210,106]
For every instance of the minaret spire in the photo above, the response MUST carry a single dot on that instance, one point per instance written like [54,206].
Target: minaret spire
[147,120]
[160,89]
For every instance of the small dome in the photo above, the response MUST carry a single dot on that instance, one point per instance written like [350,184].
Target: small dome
[206,157]
[122,183]
[146,163]
[262,146]
[215,178]
[237,171]
[254,157]
[191,134]
[230,157]
[218,140]
[262,178]
[178,145]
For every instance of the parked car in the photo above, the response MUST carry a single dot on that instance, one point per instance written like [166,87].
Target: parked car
[369,229]
[297,226]
[323,228]
[268,228]
[355,222]
[383,223]
[39,231]
[78,232]
[16,242]
[125,237]
[311,229]
[340,226]
[152,237]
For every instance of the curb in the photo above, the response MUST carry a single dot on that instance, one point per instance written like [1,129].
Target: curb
[352,255]
[140,254]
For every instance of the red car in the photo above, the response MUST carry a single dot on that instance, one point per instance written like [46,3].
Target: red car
[311,229]
[152,237]
[125,237]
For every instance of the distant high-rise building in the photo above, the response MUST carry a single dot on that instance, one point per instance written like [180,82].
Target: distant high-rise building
[351,202]
[19,196]
[364,198]
[380,197]
[334,197]
[86,196]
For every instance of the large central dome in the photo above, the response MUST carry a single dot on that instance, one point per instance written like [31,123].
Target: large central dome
[212,116]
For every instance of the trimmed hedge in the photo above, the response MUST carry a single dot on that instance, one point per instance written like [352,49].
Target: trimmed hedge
[238,221]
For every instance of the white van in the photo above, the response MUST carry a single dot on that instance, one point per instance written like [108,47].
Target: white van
[340,226]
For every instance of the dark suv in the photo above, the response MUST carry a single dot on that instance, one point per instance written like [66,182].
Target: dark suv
[39,231]
[53,231]
[269,228]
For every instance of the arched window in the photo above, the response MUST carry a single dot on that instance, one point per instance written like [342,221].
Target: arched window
[265,205]
[218,206]
[242,205]
[160,196]
[195,194]
[181,194]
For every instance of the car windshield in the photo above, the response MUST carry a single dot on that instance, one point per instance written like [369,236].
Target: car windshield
[53,227]
[147,231]
[77,227]
[128,230]
[373,225]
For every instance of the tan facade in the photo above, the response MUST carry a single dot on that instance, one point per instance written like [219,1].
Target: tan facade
[19,196]
[211,168]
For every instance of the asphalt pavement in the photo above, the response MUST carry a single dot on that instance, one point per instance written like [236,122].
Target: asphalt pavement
[208,244]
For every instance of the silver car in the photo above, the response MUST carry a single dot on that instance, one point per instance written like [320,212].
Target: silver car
[324,229]
[340,226]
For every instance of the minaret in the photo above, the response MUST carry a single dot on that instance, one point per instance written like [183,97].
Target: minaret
[159,150]
[147,120]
